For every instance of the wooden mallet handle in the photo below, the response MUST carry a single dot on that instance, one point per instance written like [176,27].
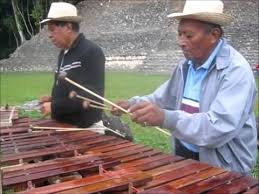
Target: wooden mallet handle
[63,76]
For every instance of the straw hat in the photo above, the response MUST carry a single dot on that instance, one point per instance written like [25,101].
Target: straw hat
[204,10]
[61,11]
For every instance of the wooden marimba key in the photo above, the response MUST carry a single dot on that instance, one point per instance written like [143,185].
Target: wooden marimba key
[88,162]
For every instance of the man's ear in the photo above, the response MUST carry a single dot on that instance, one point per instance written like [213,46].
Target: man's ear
[215,35]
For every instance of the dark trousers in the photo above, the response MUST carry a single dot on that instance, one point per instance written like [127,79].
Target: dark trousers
[181,150]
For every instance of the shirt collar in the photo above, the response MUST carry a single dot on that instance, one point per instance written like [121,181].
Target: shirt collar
[74,44]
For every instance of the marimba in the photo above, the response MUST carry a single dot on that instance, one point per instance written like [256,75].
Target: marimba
[48,161]
[7,114]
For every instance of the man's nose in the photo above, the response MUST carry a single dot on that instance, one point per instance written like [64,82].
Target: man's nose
[50,35]
[181,41]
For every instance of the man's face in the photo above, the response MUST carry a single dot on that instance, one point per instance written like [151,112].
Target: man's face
[195,42]
[59,35]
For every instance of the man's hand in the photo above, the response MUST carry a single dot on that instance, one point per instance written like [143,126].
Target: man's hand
[45,108]
[123,104]
[147,114]
[43,99]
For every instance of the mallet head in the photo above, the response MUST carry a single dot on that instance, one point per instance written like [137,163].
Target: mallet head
[86,104]
[62,75]
[72,94]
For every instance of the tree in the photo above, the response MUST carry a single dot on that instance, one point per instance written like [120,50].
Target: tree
[11,28]
[17,21]
[23,20]
[28,17]
[37,13]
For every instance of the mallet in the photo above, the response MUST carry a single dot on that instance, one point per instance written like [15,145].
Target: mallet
[11,114]
[61,128]
[87,102]
[73,94]
[72,129]
[63,75]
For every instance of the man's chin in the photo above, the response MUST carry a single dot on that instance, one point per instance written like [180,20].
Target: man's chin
[56,45]
[187,56]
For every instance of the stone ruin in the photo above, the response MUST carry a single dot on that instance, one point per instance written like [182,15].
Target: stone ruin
[136,35]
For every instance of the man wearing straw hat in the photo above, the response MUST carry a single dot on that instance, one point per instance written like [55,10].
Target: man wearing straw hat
[82,60]
[207,104]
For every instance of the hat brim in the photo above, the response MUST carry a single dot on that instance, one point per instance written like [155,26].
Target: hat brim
[76,19]
[215,18]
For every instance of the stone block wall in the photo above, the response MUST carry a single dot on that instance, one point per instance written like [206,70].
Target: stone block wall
[136,35]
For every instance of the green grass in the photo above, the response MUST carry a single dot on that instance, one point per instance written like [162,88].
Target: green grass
[17,88]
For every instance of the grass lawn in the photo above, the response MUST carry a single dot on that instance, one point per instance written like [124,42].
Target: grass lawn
[17,88]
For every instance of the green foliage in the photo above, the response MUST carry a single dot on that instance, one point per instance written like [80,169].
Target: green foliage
[37,10]
[37,14]
[9,22]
